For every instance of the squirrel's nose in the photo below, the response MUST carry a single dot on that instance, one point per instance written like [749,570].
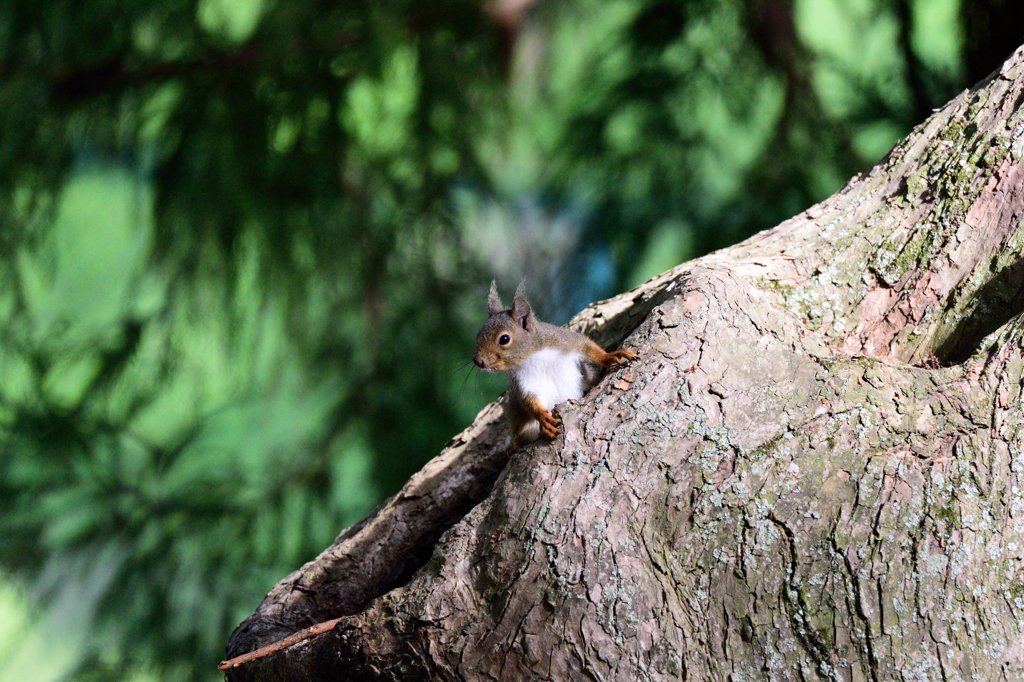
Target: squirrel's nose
[479,361]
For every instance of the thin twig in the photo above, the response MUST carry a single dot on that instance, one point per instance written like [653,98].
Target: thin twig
[289,641]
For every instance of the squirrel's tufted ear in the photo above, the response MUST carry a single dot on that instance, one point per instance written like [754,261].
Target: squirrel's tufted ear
[522,313]
[494,304]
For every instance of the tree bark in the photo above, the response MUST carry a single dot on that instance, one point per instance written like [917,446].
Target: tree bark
[815,470]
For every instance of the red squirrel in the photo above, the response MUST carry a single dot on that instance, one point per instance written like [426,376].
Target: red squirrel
[546,364]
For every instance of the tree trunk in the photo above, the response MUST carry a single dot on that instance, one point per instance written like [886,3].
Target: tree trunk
[815,470]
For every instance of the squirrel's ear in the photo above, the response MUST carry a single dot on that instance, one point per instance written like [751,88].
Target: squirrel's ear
[522,313]
[494,304]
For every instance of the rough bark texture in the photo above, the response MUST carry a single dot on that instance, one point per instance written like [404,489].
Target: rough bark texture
[815,470]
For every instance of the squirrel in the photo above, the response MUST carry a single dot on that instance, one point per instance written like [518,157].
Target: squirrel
[546,364]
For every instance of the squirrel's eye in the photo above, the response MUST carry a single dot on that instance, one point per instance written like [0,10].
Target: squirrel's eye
[504,340]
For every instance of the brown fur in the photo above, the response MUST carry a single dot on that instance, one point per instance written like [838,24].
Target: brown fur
[526,335]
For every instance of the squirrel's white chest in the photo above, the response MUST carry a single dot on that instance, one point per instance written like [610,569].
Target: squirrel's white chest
[552,375]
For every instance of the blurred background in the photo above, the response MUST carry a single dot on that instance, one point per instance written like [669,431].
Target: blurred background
[245,248]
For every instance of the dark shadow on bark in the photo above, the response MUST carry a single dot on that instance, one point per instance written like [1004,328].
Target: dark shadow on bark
[998,301]
[610,331]
[381,552]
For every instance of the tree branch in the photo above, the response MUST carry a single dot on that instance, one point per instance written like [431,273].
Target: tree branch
[785,404]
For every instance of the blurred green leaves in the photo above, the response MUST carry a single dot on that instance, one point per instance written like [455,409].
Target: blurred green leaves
[76,285]
[46,649]
[233,20]
[379,113]
[176,419]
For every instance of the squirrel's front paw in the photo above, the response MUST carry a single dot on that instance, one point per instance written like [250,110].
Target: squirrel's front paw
[549,424]
[618,357]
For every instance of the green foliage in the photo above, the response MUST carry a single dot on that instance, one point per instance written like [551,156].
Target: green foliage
[244,247]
